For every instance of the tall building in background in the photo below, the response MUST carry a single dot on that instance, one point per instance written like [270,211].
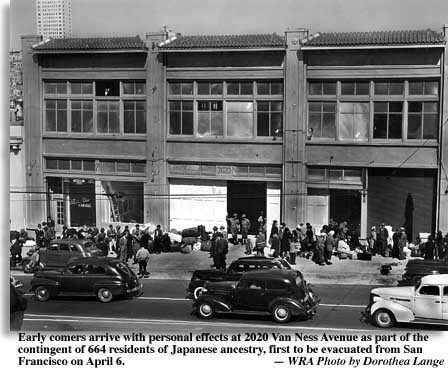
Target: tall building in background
[54,18]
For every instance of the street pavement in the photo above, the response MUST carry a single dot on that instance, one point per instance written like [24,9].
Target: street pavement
[163,308]
[343,287]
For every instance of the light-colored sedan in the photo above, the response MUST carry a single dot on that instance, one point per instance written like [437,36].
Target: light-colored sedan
[426,302]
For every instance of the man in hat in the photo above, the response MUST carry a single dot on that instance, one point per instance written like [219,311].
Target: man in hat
[234,227]
[382,237]
[245,227]
[215,235]
[372,240]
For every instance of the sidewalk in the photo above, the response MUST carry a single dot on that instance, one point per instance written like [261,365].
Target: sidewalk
[180,266]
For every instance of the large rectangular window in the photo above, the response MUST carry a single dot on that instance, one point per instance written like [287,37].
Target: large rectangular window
[269,118]
[181,117]
[82,116]
[423,118]
[56,115]
[240,119]
[108,118]
[134,116]
[322,119]
[210,118]
[354,121]
[387,120]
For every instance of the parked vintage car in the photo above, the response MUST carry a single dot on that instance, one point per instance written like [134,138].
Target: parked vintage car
[280,293]
[233,272]
[426,302]
[61,251]
[417,268]
[103,277]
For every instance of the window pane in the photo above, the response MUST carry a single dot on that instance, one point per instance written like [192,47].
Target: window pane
[335,174]
[233,88]
[380,125]
[102,122]
[416,87]
[187,105]
[352,175]
[396,107]
[414,107]
[203,105]
[347,107]
[216,88]
[263,124]
[240,124]
[175,123]
[381,88]
[51,163]
[276,106]
[174,105]
[314,124]
[128,87]
[187,123]
[108,166]
[240,106]
[49,88]
[362,88]
[276,87]
[246,88]
[61,121]
[129,123]
[348,88]
[77,164]
[187,88]
[216,105]
[50,119]
[316,174]
[123,166]
[430,125]
[431,88]
[87,88]
[76,121]
[61,87]
[87,121]
[64,164]
[329,107]
[380,107]
[263,106]
[396,88]
[329,88]
[89,165]
[414,126]
[276,124]
[345,126]
[204,123]
[203,87]
[76,88]
[263,88]
[217,128]
[139,167]
[114,119]
[315,106]
[361,130]
[395,126]
[140,122]
[174,88]
[329,126]
[430,107]
[315,88]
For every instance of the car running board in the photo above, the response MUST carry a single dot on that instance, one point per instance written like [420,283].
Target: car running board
[430,321]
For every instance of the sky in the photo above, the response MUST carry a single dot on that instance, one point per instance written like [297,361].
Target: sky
[131,17]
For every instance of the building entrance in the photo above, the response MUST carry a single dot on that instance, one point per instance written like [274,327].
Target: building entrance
[248,198]
[345,205]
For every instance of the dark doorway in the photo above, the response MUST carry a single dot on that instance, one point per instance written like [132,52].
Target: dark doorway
[248,198]
[82,202]
[345,205]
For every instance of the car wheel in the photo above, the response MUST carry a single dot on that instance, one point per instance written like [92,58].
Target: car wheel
[281,313]
[205,310]
[384,318]
[104,295]
[42,293]
[198,292]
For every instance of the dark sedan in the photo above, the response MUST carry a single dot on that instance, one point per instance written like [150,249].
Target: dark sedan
[234,272]
[103,277]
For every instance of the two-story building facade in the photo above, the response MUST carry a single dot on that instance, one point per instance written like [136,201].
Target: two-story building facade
[185,130]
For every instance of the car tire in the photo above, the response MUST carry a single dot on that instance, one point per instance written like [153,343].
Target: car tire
[104,295]
[42,293]
[383,318]
[281,313]
[197,292]
[205,310]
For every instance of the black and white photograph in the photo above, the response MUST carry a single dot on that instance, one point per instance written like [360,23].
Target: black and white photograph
[227,180]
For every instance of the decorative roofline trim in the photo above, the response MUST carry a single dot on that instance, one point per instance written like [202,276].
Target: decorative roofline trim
[404,46]
[245,49]
[88,51]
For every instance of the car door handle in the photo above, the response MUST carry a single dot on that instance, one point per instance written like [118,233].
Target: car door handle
[438,302]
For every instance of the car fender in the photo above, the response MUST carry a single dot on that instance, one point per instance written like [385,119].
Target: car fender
[219,304]
[115,287]
[296,307]
[53,285]
[400,312]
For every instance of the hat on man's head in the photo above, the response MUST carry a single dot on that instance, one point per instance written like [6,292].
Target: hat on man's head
[215,228]
[243,215]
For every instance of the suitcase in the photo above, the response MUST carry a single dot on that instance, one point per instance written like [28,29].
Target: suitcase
[365,256]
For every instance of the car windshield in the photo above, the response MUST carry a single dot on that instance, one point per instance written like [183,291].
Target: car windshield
[417,283]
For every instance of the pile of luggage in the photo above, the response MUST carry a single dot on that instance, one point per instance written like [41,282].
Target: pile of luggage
[195,238]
